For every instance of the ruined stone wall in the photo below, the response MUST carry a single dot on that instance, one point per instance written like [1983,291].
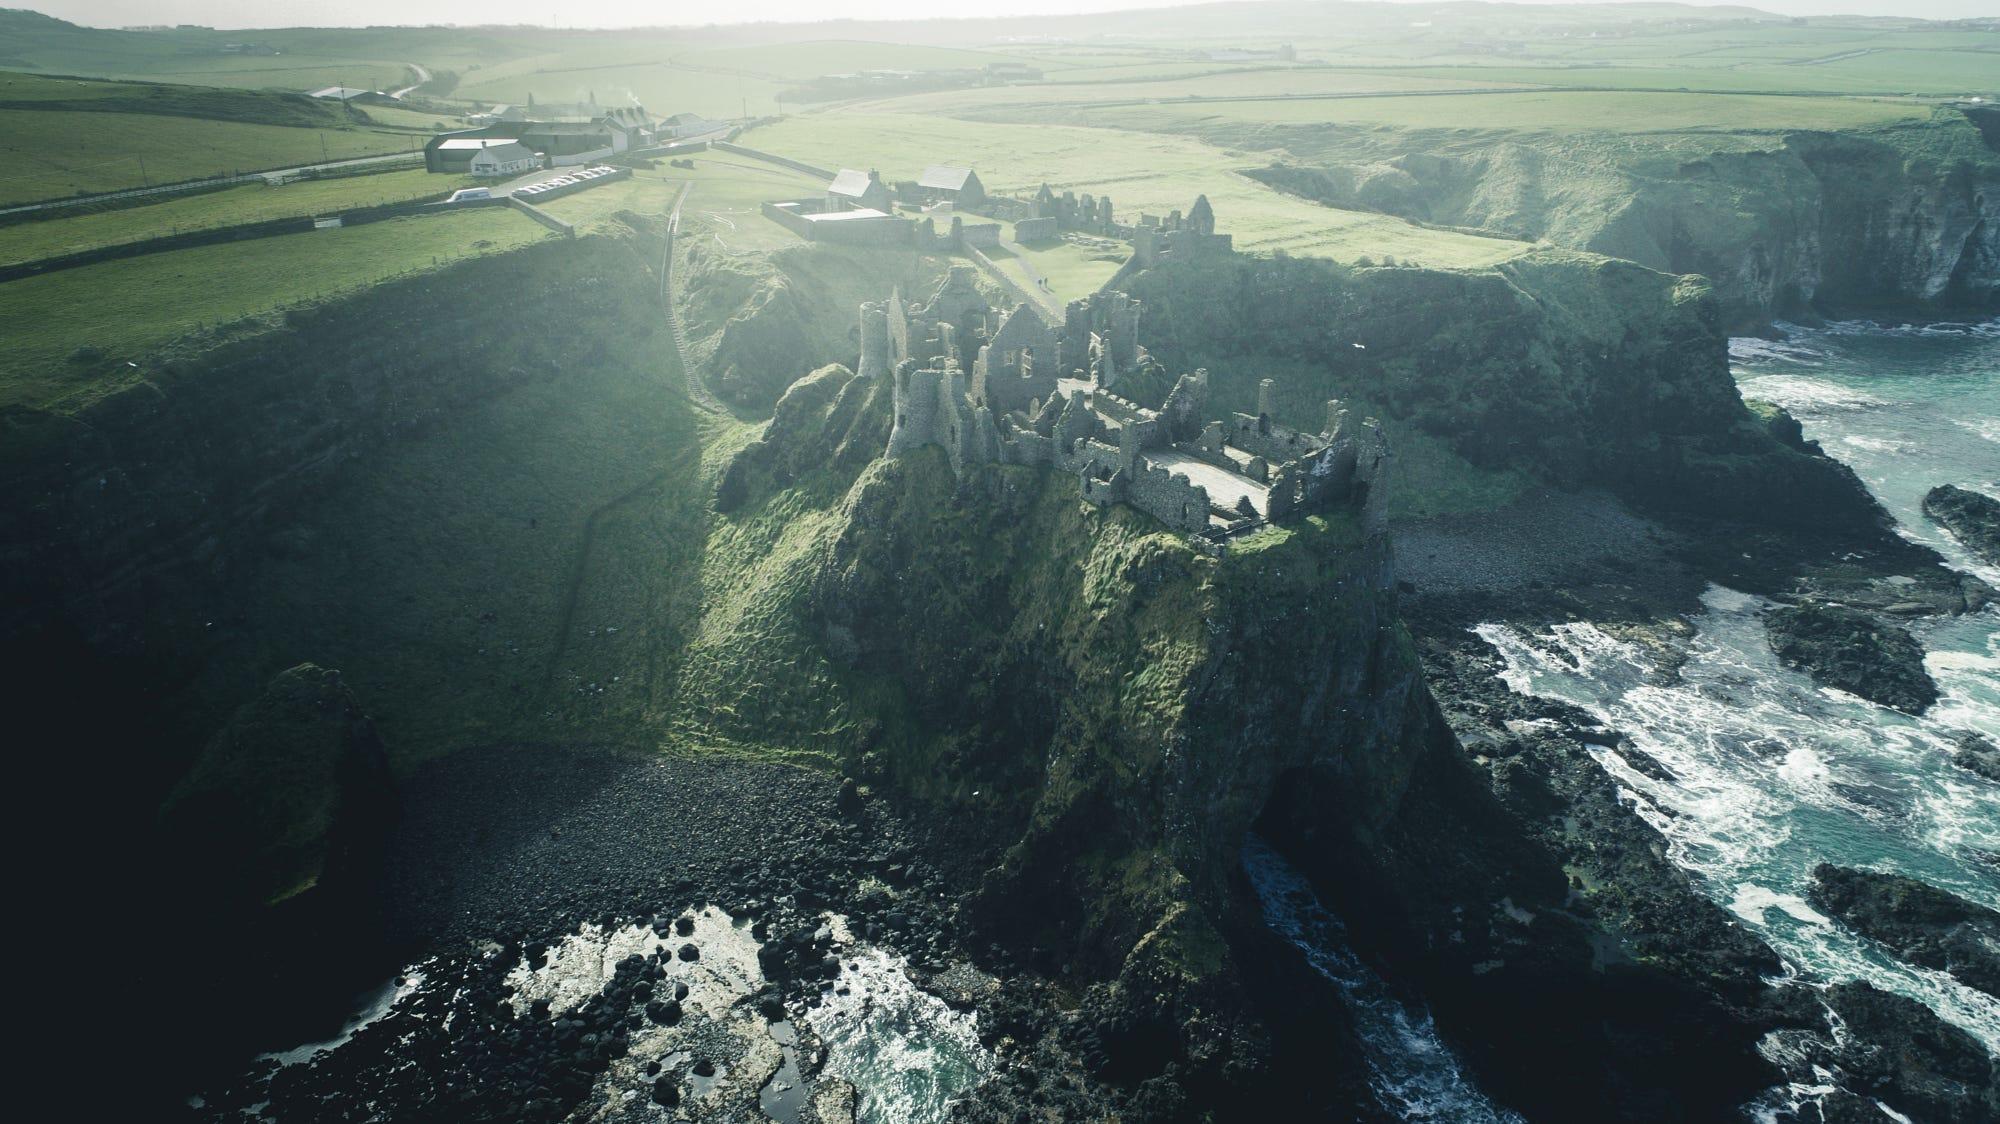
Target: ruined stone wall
[1037,230]
[1262,437]
[1168,497]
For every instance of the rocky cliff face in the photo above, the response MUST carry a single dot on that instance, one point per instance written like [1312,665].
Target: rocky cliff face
[1118,704]
[1099,709]
[1572,369]
[1894,218]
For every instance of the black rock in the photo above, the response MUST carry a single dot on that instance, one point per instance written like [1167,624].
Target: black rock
[1978,754]
[690,952]
[684,926]
[1919,922]
[1972,517]
[1902,1052]
[666,1092]
[1853,651]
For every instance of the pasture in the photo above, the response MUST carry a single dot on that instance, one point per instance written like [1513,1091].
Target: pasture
[76,335]
[724,205]
[1142,172]
[53,155]
[45,238]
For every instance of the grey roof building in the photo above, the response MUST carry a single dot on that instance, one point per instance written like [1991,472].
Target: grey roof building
[960,185]
[857,189]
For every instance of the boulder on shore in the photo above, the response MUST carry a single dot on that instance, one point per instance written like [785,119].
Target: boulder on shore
[1900,1052]
[291,794]
[1854,651]
[1977,753]
[1919,922]
[1972,517]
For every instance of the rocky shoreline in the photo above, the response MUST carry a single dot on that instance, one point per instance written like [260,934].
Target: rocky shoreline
[512,862]
[1640,581]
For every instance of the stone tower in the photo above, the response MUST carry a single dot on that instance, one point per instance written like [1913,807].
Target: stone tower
[874,342]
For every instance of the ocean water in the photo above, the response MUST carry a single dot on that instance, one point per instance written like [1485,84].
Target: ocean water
[1412,1071]
[908,1054]
[1768,774]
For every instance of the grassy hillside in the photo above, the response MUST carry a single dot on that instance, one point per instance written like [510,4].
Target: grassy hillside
[43,238]
[49,155]
[475,491]
[79,334]
[64,136]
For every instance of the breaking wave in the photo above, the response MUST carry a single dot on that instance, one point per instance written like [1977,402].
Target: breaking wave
[1762,775]
[1412,1071]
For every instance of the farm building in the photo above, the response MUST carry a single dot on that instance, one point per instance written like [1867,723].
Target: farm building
[452,153]
[854,190]
[559,139]
[682,125]
[943,183]
[507,158]
[351,94]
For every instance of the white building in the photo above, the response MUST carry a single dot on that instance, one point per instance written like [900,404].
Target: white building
[507,158]
[682,125]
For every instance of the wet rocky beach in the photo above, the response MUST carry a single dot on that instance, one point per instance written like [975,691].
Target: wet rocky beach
[598,935]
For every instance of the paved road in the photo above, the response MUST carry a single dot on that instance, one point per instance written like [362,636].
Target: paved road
[423,76]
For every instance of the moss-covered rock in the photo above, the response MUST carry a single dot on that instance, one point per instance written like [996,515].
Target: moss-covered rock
[756,321]
[291,793]
[1855,651]
[1109,708]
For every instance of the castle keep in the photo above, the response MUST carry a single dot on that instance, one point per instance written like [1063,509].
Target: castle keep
[1009,389]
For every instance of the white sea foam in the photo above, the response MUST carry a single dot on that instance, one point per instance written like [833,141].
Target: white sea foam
[1754,349]
[1874,444]
[1752,900]
[1802,393]
[1413,1072]
[376,1005]
[1767,775]
[907,1053]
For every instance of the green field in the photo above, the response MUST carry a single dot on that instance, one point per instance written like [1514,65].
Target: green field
[1529,111]
[1143,173]
[52,155]
[1074,265]
[30,241]
[723,207]
[75,335]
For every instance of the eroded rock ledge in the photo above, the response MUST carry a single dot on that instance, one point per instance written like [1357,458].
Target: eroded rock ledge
[1919,922]
[1854,651]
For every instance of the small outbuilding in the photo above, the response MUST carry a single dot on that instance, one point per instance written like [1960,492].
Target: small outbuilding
[942,183]
[683,125]
[452,153]
[508,158]
[852,190]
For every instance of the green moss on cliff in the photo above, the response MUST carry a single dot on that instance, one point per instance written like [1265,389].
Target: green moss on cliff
[1566,369]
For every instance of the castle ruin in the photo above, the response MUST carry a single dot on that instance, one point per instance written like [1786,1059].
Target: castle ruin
[1009,389]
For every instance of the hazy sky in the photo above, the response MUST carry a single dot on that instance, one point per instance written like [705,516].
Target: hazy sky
[637,13]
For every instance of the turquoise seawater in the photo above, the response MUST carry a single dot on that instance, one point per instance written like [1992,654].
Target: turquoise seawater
[1766,773]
